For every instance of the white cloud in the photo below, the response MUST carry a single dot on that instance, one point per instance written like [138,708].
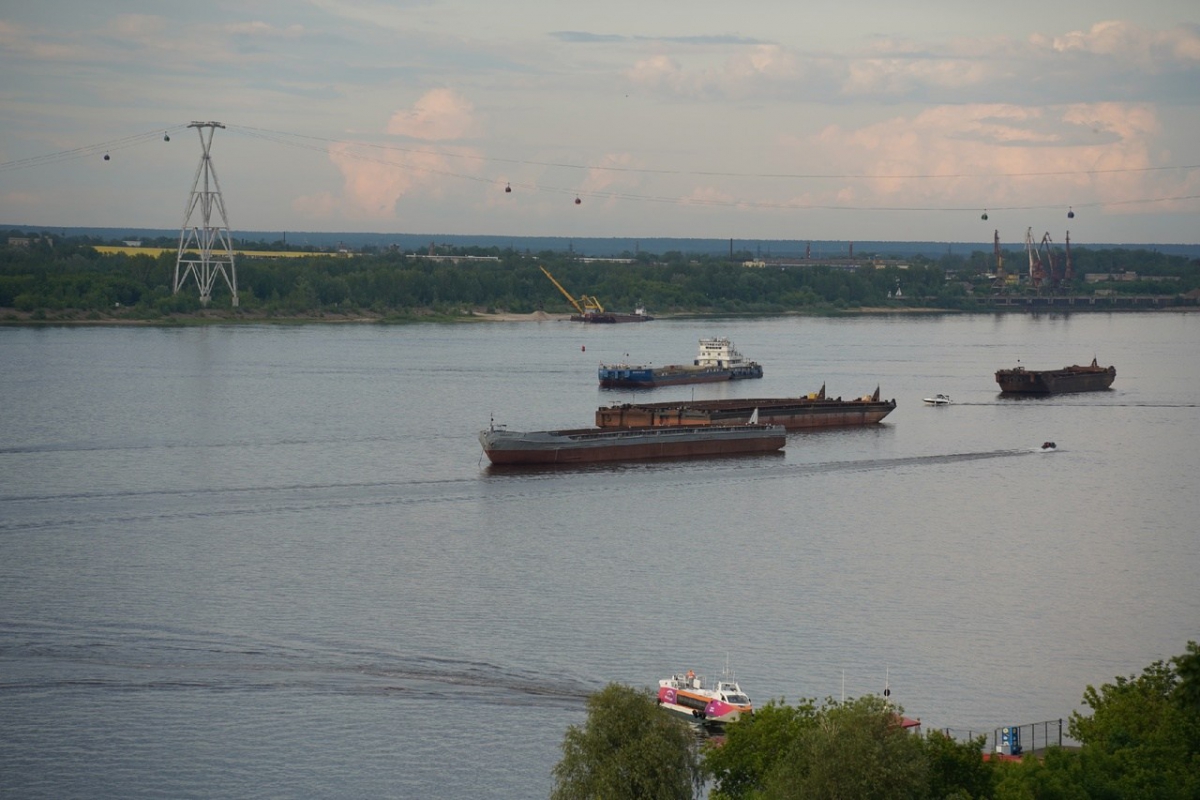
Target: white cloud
[1113,60]
[1125,41]
[375,180]
[439,115]
[993,155]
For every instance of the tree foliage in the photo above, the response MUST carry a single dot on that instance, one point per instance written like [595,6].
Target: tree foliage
[1141,739]
[71,276]
[627,748]
[753,748]
[855,749]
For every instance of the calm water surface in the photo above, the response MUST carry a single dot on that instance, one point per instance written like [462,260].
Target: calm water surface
[270,561]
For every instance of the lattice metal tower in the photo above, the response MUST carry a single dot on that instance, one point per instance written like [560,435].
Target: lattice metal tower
[205,248]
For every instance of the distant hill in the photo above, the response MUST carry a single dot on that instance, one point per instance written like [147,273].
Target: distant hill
[602,247]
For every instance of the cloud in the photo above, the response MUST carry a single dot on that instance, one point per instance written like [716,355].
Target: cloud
[763,69]
[613,174]
[993,156]
[1125,41]
[1112,61]
[439,115]
[708,196]
[373,184]
[29,44]
[135,27]
[586,37]
[263,29]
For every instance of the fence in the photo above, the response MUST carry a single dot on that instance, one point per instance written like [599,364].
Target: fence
[1015,740]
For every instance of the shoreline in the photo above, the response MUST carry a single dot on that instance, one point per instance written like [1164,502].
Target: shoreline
[10,317]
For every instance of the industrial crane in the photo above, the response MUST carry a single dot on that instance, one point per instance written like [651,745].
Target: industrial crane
[584,305]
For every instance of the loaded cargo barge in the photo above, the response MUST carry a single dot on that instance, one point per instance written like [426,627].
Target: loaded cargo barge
[793,413]
[592,445]
[1090,378]
[717,360]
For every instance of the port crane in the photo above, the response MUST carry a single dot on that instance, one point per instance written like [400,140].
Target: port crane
[1000,276]
[1045,264]
[585,305]
[1038,268]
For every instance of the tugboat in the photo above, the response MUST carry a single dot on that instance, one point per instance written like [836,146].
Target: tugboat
[712,706]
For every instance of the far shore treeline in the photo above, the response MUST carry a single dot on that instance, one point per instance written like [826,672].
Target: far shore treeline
[44,277]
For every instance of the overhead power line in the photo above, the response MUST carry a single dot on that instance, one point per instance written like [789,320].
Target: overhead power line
[90,150]
[279,136]
[386,154]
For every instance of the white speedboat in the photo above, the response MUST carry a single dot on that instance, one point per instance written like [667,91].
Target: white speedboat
[938,400]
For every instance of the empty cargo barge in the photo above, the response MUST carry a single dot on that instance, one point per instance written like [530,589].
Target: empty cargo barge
[591,445]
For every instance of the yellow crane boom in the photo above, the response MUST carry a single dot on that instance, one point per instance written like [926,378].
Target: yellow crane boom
[590,304]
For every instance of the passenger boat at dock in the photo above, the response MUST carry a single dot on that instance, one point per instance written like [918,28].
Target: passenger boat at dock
[717,360]
[793,413]
[712,706]
[592,445]
[1089,378]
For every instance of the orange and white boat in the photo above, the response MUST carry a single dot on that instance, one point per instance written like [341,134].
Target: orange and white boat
[713,705]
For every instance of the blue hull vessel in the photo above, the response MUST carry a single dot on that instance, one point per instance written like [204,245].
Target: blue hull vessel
[716,361]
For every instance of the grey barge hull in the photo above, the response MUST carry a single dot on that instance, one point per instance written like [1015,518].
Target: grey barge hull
[592,445]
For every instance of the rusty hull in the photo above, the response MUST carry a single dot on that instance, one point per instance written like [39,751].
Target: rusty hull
[793,413]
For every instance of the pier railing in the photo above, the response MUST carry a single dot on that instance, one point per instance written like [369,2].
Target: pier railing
[1015,740]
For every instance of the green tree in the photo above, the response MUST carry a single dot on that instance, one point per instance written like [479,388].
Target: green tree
[1056,776]
[957,769]
[1187,691]
[753,747]
[627,748]
[856,749]
[1140,740]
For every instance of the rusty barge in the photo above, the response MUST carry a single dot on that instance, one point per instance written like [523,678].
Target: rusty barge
[793,413]
[1076,378]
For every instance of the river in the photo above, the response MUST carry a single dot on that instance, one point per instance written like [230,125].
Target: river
[265,561]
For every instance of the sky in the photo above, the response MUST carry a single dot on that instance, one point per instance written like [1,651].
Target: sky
[770,119]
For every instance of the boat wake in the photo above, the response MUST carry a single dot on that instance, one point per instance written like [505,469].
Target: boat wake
[131,658]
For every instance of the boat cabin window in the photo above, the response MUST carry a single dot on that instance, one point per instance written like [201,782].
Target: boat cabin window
[737,699]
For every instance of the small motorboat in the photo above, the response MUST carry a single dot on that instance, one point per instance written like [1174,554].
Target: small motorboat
[938,400]
[1048,446]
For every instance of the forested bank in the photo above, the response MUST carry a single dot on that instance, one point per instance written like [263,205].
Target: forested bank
[47,278]
[1139,739]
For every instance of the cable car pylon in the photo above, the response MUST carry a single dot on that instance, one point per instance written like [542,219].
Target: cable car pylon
[205,248]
